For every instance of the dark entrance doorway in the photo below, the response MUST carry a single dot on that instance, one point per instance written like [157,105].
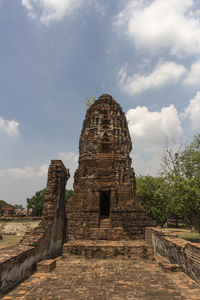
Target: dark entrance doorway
[105,204]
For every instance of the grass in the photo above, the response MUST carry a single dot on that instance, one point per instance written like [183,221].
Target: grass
[193,237]
[9,240]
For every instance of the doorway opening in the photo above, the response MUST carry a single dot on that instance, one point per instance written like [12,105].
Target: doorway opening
[104,204]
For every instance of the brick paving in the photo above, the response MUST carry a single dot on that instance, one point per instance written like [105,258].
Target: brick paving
[112,279]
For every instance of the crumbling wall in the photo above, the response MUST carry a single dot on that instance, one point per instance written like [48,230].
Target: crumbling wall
[18,226]
[176,250]
[44,241]
[105,168]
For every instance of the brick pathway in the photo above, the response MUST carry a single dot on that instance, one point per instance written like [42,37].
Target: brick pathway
[96,279]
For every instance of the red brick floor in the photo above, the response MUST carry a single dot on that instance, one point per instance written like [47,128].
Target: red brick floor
[115,279]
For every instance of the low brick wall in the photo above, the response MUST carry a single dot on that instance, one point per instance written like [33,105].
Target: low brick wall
[176,250]
[18,226]
[16,264]
[19,219]
[43,242]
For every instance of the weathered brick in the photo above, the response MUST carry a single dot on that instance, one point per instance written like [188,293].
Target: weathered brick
[104,182]
[46,265]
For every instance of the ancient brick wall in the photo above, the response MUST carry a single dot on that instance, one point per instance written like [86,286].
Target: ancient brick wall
[104,182]
[18,226]
[45,240]
[176,250]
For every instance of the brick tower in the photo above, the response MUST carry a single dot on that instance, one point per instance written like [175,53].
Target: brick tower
[105,205]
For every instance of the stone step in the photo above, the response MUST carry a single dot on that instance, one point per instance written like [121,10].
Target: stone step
[116,233]
[105,220]
[46,265]
[89,249]
[105,226]
[105,223]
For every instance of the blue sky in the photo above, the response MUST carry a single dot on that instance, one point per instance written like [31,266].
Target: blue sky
[54,53]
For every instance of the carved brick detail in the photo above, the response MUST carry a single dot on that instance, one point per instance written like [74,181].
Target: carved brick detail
[104,182]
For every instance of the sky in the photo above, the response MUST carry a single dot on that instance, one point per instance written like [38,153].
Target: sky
[55,53]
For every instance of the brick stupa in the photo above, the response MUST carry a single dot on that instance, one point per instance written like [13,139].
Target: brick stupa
[105,205]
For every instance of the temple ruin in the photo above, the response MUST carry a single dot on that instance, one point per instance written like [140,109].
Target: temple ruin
[105,205]
[104,219]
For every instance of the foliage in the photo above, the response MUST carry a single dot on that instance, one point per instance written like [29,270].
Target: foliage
[182,172]
[88,102]
[154,193]
[68,194]
[36,202]
[190,159]
[2,203]
[19,206]
[176,192]
[170,160]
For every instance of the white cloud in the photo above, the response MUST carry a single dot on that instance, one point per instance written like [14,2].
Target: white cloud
[70,160]
[17,184]
[158,25]
[99,8]
[193,77]
[146,165]
[122,74]
[151,128]
[68,157]
[193,112]
[26,172]
[149,131]
[51,10]
[10,127]
[164,74]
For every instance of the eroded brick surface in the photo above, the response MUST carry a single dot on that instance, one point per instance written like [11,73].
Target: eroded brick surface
[104,182]
[45,240]
[176,250]
[107,249]
[107,279]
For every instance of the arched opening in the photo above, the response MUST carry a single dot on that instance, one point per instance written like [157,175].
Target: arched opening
[104,204]
[105,145]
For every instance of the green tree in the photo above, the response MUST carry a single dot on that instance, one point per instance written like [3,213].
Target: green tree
[88,102]
[155,196]
[36,202]
[68,194]
[182,171]
[18,206]
[190,159]
[185,201]
[190,170]
[2,203]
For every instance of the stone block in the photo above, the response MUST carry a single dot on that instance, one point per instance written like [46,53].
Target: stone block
[167,267]
[46,265]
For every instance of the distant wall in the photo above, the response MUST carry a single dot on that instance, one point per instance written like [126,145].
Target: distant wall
[42,242]
[177,250]
[19,219]
[18,226]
